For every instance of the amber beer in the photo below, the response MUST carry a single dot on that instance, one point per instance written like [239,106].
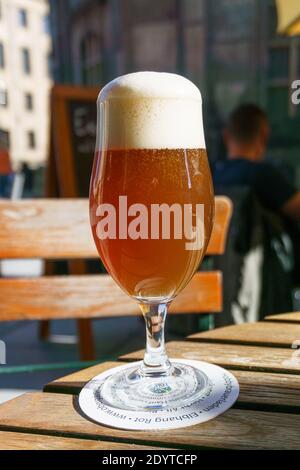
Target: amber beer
[153,269]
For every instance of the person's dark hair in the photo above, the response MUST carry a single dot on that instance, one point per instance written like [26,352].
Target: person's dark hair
[245,122]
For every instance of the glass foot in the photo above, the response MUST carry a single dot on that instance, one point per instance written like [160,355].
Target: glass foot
[132,390]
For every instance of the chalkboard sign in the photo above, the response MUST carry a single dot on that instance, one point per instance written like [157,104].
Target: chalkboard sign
[73,137]
[71,152]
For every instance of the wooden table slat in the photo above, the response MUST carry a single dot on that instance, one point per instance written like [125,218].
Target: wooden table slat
[293,317]
[232,356]
[236,429]
[26,441]
[74,382]
[268,333]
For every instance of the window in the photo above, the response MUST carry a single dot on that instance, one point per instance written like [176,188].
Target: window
[2,59]
[91,59]
[23,20]
[31,140]
[3,97]
[50,65]
[278,103]
[193,10]
[272,20]
[26,61]
[4,138]
[279,63]
[28,101]
[46,24]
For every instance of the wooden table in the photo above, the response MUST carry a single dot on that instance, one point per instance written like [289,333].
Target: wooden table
[266,415]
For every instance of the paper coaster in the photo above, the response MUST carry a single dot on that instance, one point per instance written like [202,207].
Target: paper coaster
[222,392]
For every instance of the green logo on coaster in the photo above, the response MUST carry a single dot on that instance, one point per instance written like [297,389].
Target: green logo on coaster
[160,389]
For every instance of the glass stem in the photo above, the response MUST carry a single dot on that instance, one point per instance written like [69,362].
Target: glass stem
[156,362]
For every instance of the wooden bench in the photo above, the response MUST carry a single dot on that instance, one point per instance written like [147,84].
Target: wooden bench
[55,229]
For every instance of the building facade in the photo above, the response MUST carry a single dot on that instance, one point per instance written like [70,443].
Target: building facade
[25,79]
[227,47]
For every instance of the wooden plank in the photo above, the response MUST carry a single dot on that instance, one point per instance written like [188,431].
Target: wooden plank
[58,414]
[273,334]
[258,389]
[223,212]
[73,383]
[75,91]
[94,296]
[203,294]
[268,391]
[25,441]
[232,356]
[60,229]
[46,228]
[293,317]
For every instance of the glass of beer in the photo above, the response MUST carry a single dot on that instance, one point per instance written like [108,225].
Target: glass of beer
[151,212]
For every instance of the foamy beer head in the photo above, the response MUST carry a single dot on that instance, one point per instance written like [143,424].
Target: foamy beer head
[150,110]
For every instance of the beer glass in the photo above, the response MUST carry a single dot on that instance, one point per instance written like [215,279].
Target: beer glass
[151,212]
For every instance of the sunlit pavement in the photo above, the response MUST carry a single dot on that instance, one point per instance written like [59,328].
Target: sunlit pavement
[9,394]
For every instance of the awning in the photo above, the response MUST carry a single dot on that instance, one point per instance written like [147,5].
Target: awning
[288,17]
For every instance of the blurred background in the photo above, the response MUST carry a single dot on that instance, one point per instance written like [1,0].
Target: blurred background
[230,48]
[236,51]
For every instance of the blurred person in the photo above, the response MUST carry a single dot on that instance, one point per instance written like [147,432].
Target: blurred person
[262,259]
[246,137]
